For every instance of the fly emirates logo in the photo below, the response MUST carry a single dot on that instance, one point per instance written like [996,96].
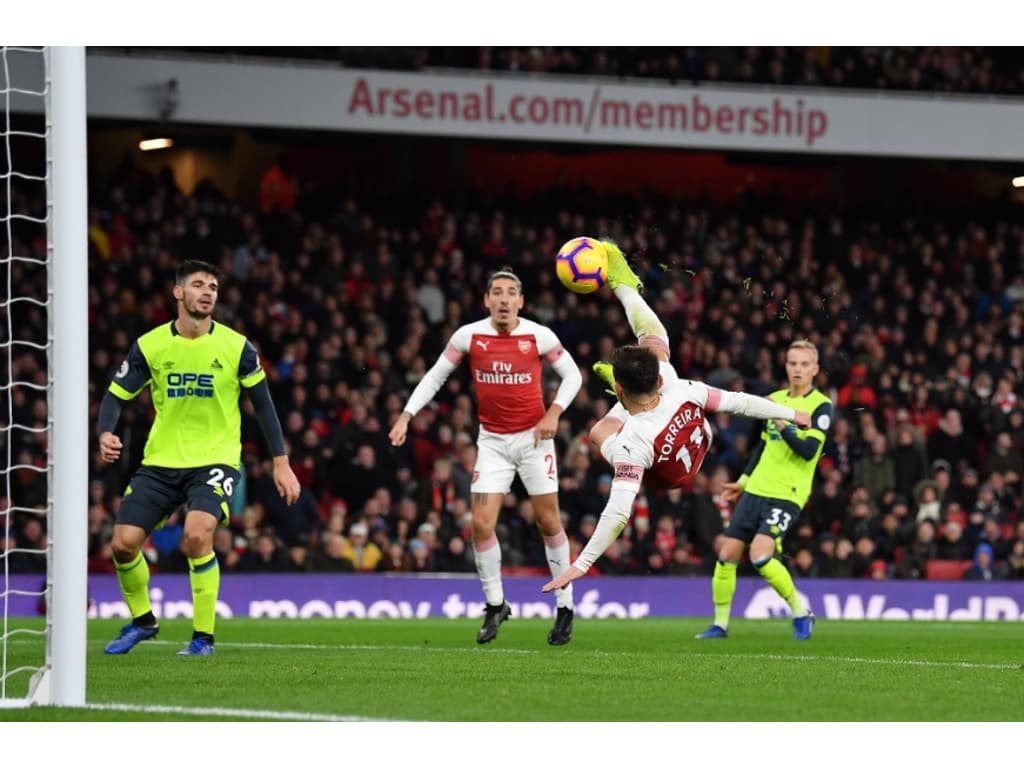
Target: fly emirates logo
[502,373]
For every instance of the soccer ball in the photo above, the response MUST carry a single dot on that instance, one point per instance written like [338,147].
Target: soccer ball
[582,265]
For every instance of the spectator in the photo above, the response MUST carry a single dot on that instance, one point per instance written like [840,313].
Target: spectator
[265,556]
[921,550]
[1006,459]
[951,544]
[363,553]
[396,560]
[926,495]
[908,461]
[803,564]
[857,395]
[983,567]
[330,556]
[947,442]
[278,189]
[1015,561]
[877,470]
[841,565]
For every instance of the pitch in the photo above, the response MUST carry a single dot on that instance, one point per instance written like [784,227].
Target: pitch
[614,670]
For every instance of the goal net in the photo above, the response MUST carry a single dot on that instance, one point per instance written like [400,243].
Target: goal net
[43,356]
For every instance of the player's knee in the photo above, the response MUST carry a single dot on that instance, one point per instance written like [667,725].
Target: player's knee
[123,551]
[730,550]
[761,551]
[482,529]
[126,543]
[197,543]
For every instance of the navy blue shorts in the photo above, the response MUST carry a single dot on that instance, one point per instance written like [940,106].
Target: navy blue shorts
[154,493]
[758,514]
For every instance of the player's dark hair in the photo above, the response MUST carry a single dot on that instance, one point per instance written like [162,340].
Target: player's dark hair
[192,266]
[636,369]
[507,273]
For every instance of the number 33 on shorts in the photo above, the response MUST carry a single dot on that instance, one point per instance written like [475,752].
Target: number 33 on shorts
[779,518]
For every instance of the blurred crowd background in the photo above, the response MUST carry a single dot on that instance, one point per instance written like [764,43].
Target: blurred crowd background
[917,314]
[952,69]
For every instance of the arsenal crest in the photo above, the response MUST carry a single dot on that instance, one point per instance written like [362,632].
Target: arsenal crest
[524,346]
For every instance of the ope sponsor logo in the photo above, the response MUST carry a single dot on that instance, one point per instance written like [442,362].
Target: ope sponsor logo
[189,385]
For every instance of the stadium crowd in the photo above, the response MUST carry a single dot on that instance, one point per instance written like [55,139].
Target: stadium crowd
[918,322]
[927,69]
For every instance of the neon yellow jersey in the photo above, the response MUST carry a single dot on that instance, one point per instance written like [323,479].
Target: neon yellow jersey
[195,386]
[782,473]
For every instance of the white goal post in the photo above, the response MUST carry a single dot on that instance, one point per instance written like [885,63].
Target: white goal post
[60,678]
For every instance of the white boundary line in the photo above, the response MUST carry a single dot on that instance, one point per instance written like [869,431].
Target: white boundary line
[682,654]
[256,714]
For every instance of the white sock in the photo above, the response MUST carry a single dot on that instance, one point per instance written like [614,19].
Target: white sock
[556,548]
[641,317]
[488,567]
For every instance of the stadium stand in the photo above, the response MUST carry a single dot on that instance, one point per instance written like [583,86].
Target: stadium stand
[975,69]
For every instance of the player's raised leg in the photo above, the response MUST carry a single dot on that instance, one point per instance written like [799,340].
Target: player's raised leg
[627,286]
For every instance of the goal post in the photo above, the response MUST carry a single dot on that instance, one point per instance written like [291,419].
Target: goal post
[44,317]
[68,281]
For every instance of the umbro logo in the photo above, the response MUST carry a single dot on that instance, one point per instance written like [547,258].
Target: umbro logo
[168,365]
[216,364]
[483,344]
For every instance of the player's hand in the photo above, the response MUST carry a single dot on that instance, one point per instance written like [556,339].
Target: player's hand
[802,419]
[110,447]
[732,491]
[285,480]
[569,575]
[399,430]
[545,429]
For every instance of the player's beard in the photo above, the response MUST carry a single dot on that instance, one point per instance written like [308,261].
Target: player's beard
[195,312]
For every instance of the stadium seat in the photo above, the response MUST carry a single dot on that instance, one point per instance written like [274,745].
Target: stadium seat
[946,570]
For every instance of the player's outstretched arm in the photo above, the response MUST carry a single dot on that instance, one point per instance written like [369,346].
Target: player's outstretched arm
[613,519]
[745,404]
[806,445]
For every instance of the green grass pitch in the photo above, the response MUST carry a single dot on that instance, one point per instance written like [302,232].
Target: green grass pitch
[613,670]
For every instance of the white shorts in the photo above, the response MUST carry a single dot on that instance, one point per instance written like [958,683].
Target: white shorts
[499,457]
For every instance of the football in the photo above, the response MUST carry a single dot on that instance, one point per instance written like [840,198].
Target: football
[582,265]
